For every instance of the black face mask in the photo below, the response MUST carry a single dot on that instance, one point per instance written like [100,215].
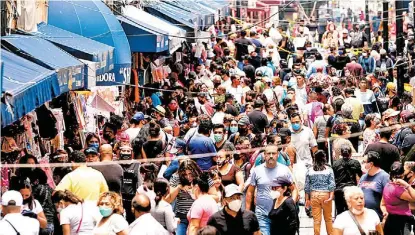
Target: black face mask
[27,200]
[243,131]
[406,177]
[125,156]
[237,156]
[107,137]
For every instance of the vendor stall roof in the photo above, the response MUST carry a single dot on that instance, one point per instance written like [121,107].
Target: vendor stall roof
[30,85]
[94,20]
[79,46]
[70,71]
[179,15]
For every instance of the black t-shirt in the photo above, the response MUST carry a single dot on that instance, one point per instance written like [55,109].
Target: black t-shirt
[345,172]
[341,62]
[388,153]
[113,174]
[284,219]
[245,223]
[131,180]
[241,45]
[152,148]
[259,120]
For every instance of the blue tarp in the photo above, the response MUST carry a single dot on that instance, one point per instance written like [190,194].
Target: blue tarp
[30,84]
[174,14]
[144,37]
[206,19]
[94,20]
[79,46]
[70,71]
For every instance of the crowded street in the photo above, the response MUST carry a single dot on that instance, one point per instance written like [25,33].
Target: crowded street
[207,117]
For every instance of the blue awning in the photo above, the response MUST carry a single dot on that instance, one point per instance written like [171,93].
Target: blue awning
[94,20]
[30,84]
[79,46]
[206,18]
[70,71]
[174,14]
[144,37]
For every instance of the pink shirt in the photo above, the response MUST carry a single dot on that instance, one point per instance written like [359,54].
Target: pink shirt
[202,209]
[394,204]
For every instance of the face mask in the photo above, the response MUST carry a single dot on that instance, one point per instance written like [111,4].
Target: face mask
[407,177]
[105,211]
[233,129]
[125,156]
[221,163]
[94,145]
[243,131]
[194,125]
[357,212]
[235,205]
[59,209]
[364,54]
[377,131]
[218,137]
[296,126]
[237,156]
[275,194]
[107,136]
[227,128]
[26,201]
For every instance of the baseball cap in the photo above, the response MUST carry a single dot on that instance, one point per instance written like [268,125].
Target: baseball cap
[12,198]
[138,116]
[244,121]
[281,181]
[232,189]
[91,150]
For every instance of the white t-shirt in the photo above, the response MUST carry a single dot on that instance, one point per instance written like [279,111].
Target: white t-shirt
[37,208]
[345,222]
[218,118]
[72,215]
[24,225]
[269,93]
[236,92]
[366,97]
[115,224]
[132,132]
[303,141]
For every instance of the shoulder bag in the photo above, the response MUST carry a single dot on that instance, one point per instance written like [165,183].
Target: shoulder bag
[357,223]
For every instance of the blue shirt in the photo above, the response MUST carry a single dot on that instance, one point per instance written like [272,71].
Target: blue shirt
[261,178]
[201,144]
[322,181]
[155,99]
[372,187]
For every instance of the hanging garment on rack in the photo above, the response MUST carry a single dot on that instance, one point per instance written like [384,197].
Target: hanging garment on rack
[46,122]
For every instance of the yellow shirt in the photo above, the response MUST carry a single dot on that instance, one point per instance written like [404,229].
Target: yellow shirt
[85,182]
[357,107]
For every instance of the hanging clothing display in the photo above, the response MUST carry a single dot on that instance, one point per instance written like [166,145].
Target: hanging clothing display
[60,126]
[46,122]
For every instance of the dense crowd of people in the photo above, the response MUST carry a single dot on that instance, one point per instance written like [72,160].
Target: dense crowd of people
[246,130]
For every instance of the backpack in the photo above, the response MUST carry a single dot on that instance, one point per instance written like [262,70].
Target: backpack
[399,137]
[316,111]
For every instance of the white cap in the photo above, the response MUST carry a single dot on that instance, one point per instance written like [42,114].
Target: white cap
[11,195]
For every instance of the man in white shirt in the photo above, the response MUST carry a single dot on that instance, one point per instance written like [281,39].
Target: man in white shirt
[137,122]
[145,224]
[14,222]
[236,90]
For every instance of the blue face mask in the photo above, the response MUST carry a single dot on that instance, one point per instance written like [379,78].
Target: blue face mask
[296,126]
[233,129]
[105,211]
[94,145]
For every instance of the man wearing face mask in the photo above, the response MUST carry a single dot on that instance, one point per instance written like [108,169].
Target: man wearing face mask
[219,137]
[347,171]
[232,219]
[243,130]
[385,64]
[131,180]
[303,140]
[261,179]
[373,182]
[144,222]
[137,122]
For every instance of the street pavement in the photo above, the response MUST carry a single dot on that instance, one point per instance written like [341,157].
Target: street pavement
[306,224]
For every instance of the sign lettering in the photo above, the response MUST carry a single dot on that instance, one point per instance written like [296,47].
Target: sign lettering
[106,77]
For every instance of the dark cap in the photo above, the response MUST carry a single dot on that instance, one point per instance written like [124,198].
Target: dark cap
[258,103]
[284,132]
[91,150]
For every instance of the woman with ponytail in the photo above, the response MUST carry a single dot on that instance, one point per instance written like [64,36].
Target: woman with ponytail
[163,212]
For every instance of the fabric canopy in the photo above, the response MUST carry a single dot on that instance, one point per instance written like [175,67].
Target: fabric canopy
[143,38]
[174,14]
[94,20]
[30,85]
[176,34]
[79,46]
[70,71]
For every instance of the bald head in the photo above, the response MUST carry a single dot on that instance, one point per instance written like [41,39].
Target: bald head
[141,203]
[105,152]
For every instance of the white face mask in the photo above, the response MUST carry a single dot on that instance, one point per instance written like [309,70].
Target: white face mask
[275,194]
[235,205]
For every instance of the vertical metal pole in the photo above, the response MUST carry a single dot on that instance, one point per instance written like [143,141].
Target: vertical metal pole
[385,23]
[238,9]
[400,43]
[367,25]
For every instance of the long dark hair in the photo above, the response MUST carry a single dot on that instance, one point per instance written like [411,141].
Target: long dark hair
[320,160]
[161,187]
[66,196]
[191,166]
[149,170]
[25,184]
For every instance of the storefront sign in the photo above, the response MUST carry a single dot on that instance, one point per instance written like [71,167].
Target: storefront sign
[122,76]
[106,77]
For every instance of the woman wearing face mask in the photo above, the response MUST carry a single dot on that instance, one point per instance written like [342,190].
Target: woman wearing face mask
[319,191]
[31,206]
[270,110]
[112,221]
[231,174]
[283,216]
[75,217]
[348,222]
[396,196]
[370,134]
[178,113]
[233,128]
[367,62]
[203,207]
[92,140]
